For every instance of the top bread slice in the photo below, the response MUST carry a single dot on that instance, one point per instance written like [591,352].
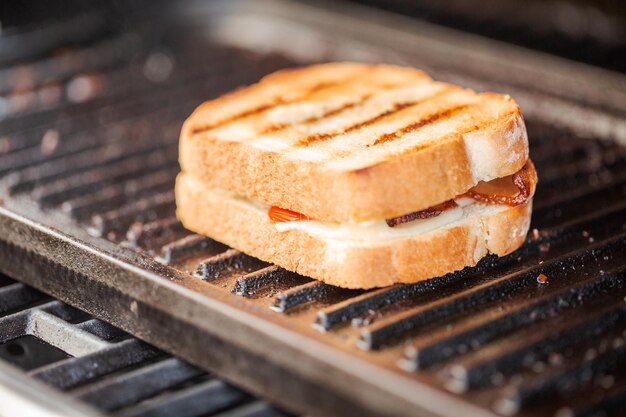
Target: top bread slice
[349,142]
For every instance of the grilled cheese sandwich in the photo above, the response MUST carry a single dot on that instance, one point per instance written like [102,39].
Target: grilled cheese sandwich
[358,175]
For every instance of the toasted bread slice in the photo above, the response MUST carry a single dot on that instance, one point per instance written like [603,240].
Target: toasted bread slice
[347,256]
[352,142]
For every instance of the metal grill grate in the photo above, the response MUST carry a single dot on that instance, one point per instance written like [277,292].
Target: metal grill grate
[94,362]
[539,332]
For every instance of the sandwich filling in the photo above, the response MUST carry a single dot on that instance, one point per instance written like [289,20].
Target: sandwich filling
[485,198]
[378,230]
[512,190]
[498,194]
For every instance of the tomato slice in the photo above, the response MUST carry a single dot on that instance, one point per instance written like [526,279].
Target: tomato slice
[279,215]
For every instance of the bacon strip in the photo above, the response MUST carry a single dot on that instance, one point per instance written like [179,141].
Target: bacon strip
[433,211]
[521,179]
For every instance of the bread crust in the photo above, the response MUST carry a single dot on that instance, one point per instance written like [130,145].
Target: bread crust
[410,181]
[349,264]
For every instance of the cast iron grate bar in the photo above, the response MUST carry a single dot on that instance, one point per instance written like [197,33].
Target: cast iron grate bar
[305,293]
[579,180]
[581,204]
[208,397]
[231,260]
[126,377]
[48,172]
[101,329]
[117,221]
[478,371]
[574,150]
[145,236]
[115,195]
[462,302]
[133,121]
[72,372]
[65,312]
[599,160]
[606,191]
[436,348]
[86,115]
[374,300]
[184,248]
[15,295]
[38,153]
[601,223]
[137,101]
[253,282]
[105,52]
[559,381]
[93,181]
[134,386]
[37,145]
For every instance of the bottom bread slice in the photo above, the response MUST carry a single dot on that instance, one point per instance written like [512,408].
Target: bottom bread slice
[353,261]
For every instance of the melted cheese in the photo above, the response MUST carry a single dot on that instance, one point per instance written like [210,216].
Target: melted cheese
[378,230]
[373,230]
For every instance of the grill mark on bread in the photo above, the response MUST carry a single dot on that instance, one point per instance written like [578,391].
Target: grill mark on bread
[320,137]
[278,127]
[458,133]
[267,106]
[397,107]
[430,119]
[334,112]
[274,128]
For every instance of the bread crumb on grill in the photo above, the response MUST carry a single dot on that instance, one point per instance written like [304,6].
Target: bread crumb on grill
[535,234]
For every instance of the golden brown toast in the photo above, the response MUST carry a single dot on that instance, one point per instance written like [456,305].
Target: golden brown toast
[356,256]
[352,142]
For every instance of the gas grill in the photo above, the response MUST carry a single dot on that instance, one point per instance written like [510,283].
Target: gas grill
[99,365]
[88,157]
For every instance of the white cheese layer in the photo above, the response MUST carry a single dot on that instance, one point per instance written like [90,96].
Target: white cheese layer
[374,230]
[378,230]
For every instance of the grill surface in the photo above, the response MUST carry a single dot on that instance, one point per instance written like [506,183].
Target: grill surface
[98,364]
[89,217]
